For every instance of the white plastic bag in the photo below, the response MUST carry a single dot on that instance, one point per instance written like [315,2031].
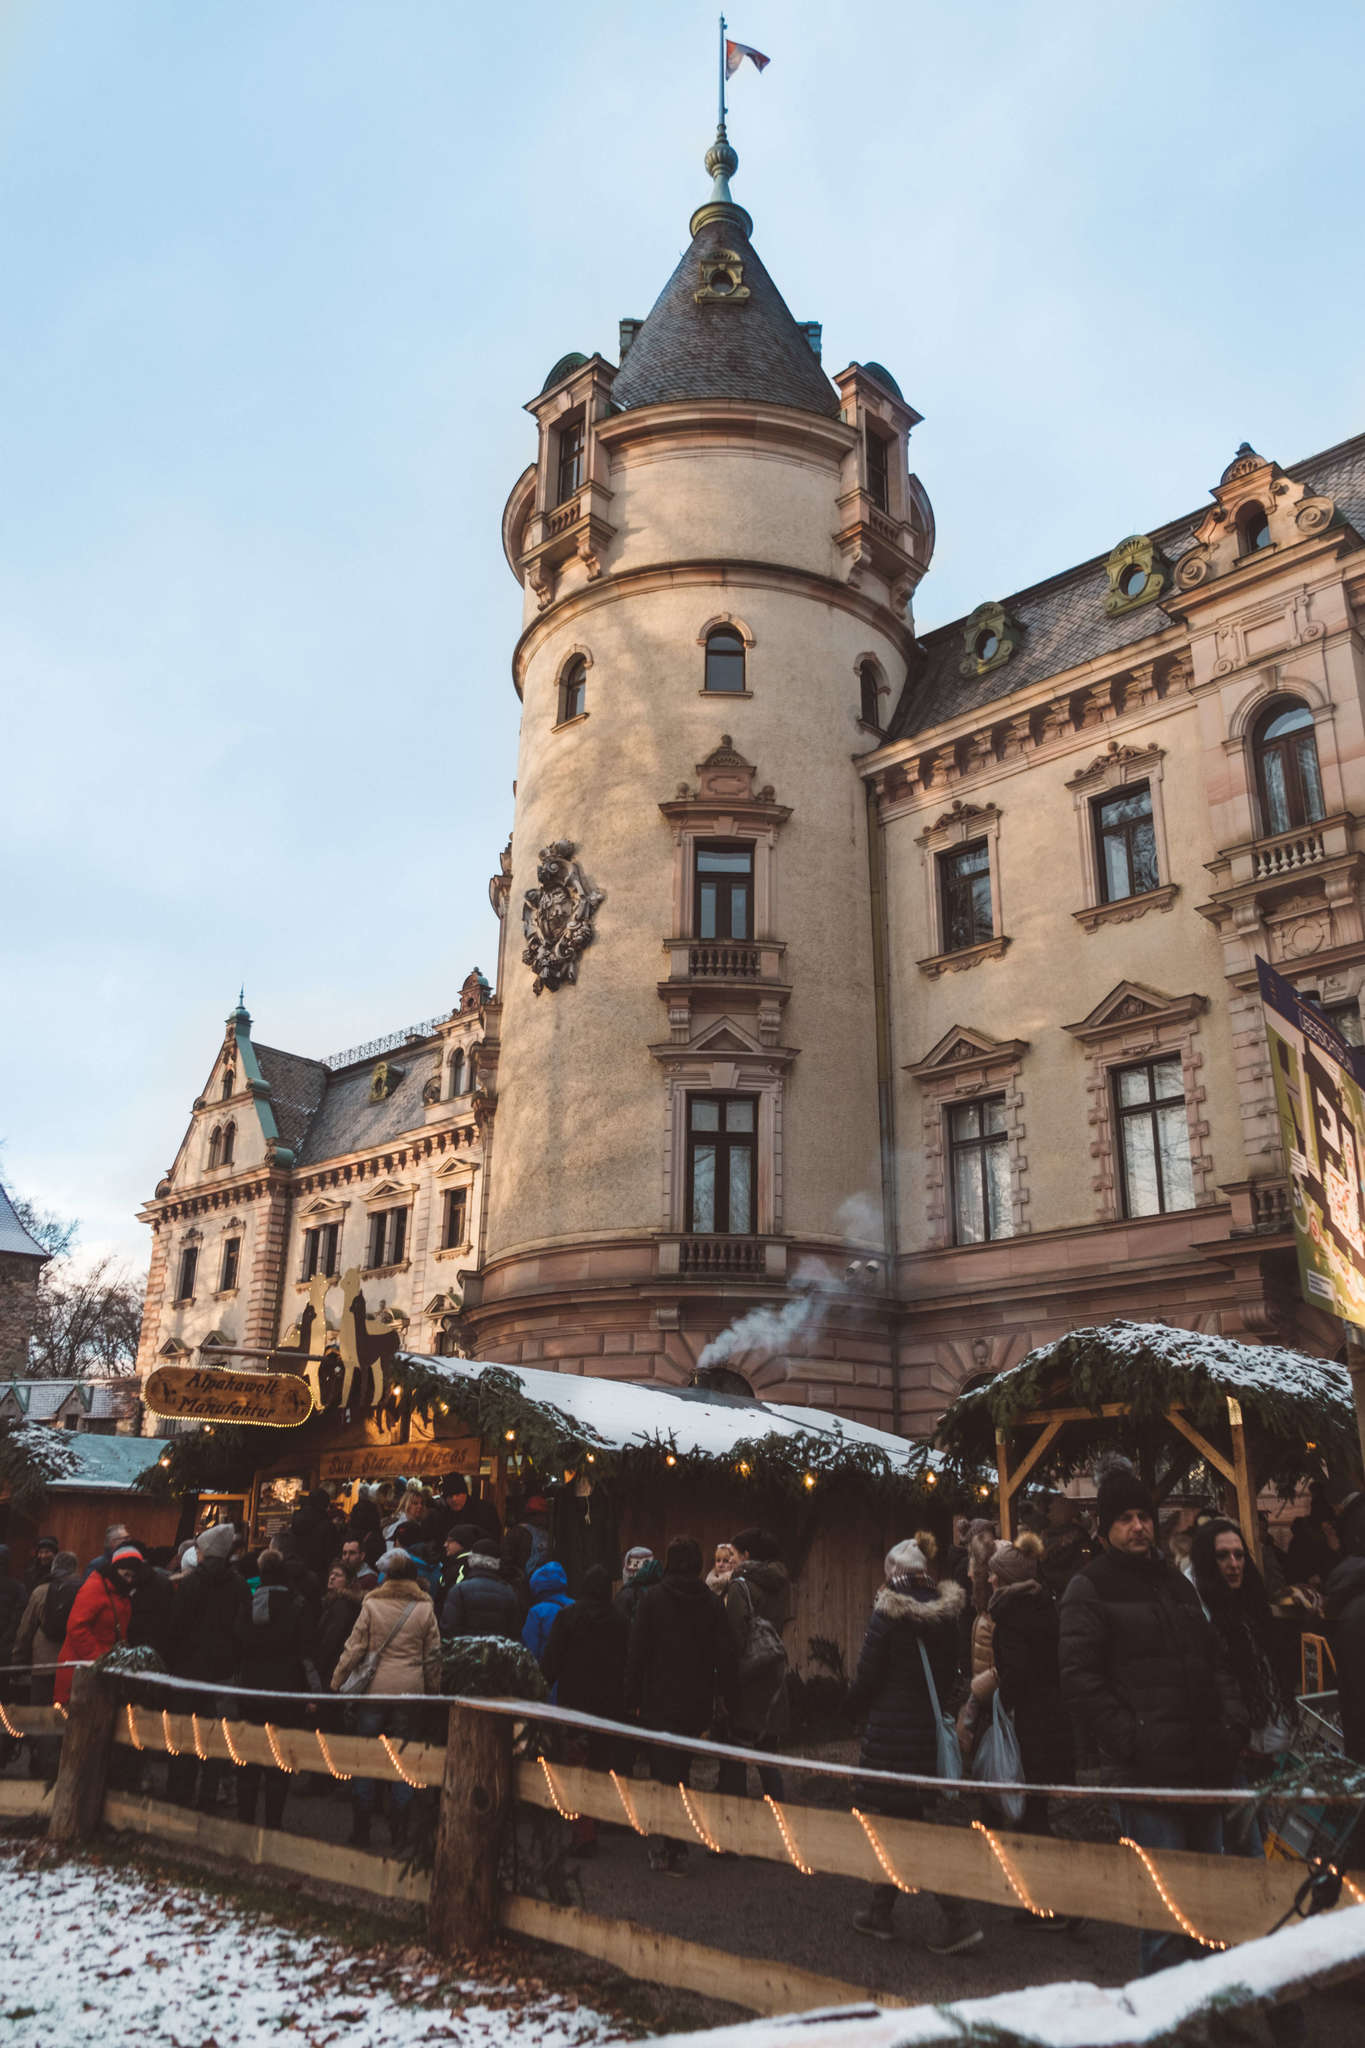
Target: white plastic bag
[998,1762]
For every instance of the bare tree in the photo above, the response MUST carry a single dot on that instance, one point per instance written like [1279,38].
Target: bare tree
[86,1322]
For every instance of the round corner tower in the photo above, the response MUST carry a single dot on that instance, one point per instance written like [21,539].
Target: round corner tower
[719,548]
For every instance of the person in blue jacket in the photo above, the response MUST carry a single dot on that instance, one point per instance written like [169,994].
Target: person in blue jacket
[549,1592]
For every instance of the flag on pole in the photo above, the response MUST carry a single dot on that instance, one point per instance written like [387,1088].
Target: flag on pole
[735,53]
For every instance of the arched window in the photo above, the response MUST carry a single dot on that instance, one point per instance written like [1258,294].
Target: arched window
[1287,773]
[725,662]
[473,1069]
[573,690]
[229,1083]
[457,1073]
[869,694]
[215,1147]
[1253,528]
[229,1140]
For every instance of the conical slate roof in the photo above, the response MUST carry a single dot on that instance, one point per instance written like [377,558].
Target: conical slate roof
[723,348]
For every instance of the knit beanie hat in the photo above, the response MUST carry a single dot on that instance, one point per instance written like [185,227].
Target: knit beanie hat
[1012,1563]
[127,1553]
[1119,1490]
[905,1561]
[219,1541]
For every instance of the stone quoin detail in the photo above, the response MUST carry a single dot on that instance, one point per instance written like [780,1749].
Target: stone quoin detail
[557,915]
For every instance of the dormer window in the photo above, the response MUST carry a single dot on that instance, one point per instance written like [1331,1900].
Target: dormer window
[572,447]
[1287,774]
[725,662]
[1253,528]
[879,470]
[986,645]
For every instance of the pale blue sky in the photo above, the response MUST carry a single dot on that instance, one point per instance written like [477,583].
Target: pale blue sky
[279,276]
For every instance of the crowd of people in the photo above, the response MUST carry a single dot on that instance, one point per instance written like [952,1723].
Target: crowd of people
[1148,1656]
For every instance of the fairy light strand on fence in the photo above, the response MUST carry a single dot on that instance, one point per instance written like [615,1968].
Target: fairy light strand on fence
[560,1808]
[788,1839]
[327,1758]
[1185,1924]
[1012,1877]
[888,1867]
[1353,1891]
[417,1784]
[627,1802]
[133,1735]
[199,1748]
[240,1761]
[172,1747]
[699,1828]
[282,1762]
[9,1727]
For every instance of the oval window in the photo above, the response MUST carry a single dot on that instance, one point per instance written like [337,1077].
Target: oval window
[1133,581]
[987,645]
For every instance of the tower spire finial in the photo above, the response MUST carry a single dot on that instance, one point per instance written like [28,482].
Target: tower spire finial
[721,163]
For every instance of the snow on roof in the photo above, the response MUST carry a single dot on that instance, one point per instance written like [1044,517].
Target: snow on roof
[622,1416]
[77,1461]
[13,1236]
[42,1399]
[1149,2010]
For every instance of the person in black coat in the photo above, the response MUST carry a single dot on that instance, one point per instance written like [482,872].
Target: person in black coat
[914,1618]
[482,1603]
[272,1644]
[340,1608]
[1146,1682]
[680,1661]
[317,1538]
[585,1661]
[1025,1639]
[154,1610]
[209,1605]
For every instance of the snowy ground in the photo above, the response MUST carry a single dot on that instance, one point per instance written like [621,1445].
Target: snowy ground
[90,1953]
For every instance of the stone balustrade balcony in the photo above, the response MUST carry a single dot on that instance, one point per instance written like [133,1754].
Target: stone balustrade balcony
[719,1257]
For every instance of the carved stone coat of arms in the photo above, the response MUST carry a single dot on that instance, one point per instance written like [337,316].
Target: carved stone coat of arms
[557,915]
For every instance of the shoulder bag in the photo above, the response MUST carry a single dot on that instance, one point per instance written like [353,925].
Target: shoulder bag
[947,1755]
[362,1678]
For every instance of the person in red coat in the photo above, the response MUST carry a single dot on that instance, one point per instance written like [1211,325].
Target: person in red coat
[101,1614]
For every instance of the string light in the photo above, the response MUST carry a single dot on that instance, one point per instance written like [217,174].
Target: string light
[631,1815]
[133,1735]
[888,1867]
[240,1761]
[172,1746]
[417,1784]
[788,1839]
[281,1761]
[560,1808]
[1012,1876]
[1354,1892]
[808,1481]
[931,1479]
[345,1776]
[61,1709]
[199,1748]
[1185,1926]
[8,1725]
[698,1827]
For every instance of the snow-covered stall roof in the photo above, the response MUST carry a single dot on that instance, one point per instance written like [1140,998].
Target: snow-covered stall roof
[617,1420]
[1302,1409]
[36,1459]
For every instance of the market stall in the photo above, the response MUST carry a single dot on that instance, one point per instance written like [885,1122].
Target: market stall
[67,1484]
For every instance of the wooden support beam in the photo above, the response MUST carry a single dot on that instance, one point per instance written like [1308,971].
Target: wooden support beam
[476,1802]
[1227,1898]
[1004,1494]
[270,1848]
[1244,1480]
[1041,1415]
[78,1798]
[35,1720]
[1202,1445]
[1026,1464]
[23,1796]
[753,1982]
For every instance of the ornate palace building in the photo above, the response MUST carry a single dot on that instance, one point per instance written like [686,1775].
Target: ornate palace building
[824,941]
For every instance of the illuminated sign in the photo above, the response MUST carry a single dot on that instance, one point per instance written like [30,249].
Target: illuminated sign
[262,1400]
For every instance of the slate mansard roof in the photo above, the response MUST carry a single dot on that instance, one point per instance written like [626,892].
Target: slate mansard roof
[748,348]
[347,1121]
[13,1236]
[1064,622]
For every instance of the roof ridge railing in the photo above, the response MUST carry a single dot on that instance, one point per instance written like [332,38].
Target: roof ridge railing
[390,1042]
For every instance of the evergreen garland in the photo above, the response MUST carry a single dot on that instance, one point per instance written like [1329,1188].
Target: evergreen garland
[222,1458]
[491,1668]
[31,1455]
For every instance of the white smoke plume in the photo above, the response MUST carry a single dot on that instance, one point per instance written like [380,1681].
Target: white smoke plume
[766,1332]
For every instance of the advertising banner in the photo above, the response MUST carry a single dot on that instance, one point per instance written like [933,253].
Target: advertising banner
[1320,1101]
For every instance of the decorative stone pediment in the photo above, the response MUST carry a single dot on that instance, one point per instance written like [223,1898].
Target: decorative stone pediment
[388,1191]
[1115,757]
[725,775]
[1293,511]
[963,821]
[216,1340]
[1132,1004]
[964,1047]
[456,1169]
[173,1348]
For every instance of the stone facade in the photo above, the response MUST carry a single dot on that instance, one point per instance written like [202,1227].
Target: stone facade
[992,880]
[21,1262]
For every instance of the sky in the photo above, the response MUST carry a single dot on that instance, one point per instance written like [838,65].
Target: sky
[279,277]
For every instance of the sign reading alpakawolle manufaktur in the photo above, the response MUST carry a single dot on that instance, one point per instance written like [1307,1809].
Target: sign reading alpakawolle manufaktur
[265,1400]
[1320,1102]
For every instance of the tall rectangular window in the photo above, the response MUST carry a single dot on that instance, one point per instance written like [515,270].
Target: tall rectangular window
[1125,843]
[320,1248]
[388,1237]
[455,1223]
[979,1169]
[1154,1138]
[232,1258]
[721,1135]
[189,1261]
[878,470]
[965,896]
[724,892]
[571,447]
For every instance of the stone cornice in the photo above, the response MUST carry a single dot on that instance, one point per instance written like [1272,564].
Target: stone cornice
[736,422]
[716,574]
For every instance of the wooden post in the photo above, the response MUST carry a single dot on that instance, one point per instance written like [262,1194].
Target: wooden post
[1246,1485]
[78,1798]
[476,1803]
[1002,1466]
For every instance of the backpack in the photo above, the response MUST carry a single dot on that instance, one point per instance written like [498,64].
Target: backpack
[763,1654]
[61,1598]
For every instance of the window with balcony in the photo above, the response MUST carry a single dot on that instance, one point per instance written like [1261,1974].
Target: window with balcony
[320,1247]
[1287,775]
[388,1237]
[232,1259]
[573,690]
[721,1139]
[724,662]
[879,470]
[571,451]
[189,1263]
[455,1219]
[964,878]
[1154,1138]
[723,902]
[1125,843]
[979,1170]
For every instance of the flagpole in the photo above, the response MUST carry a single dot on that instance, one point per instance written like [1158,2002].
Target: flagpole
[722,71]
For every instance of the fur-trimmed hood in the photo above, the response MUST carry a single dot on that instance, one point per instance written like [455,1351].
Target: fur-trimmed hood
[929,1609]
